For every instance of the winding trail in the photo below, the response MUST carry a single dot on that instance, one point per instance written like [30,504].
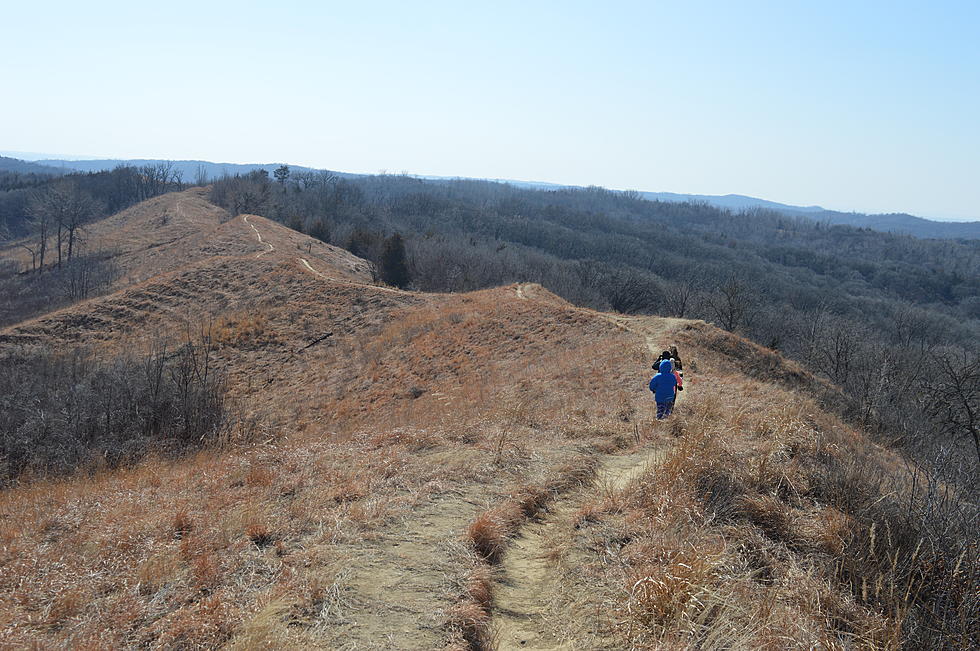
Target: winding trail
[307,265]
[259,235]
[527,609]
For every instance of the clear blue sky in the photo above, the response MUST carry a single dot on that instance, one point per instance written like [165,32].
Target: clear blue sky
[859,105]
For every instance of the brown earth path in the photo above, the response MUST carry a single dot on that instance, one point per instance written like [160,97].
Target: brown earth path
[261,241]
[525,596]
[525,613]
[398,588]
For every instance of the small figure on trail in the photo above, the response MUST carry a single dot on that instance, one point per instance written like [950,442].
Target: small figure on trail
[674,357]
[664,388]
[675,360]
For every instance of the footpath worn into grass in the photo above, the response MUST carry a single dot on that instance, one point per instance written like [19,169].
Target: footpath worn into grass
[526,608]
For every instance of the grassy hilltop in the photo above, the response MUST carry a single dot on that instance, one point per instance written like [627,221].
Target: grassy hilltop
[330,462]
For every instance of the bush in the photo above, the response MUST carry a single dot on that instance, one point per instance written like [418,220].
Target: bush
[59,411]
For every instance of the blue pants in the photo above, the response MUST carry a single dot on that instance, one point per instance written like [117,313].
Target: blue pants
[664,409]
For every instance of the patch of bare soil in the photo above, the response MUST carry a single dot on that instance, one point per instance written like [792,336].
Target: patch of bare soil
[398,587]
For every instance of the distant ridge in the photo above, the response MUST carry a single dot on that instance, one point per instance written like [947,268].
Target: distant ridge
[26,167]
[892,223]
[189,168]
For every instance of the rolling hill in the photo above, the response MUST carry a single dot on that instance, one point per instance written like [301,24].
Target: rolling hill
[454,470]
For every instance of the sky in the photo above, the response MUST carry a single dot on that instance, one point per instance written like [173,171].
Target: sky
[867,106]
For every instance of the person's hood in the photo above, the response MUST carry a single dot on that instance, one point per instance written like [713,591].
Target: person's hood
[666,366]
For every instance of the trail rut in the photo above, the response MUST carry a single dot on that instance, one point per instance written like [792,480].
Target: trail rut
[525,596]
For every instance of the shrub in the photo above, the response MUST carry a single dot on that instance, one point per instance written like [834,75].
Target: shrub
[59,411]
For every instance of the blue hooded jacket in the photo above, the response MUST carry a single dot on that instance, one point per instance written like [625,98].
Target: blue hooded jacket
[663,383]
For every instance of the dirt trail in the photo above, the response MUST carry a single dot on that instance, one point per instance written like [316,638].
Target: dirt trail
[526,611]
[381,288]
[307,265]
[398,590]
[525,596]
[259,235]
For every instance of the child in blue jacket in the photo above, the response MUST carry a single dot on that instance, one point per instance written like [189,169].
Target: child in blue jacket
[664,387]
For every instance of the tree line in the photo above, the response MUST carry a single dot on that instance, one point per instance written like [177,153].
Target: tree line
[45,216]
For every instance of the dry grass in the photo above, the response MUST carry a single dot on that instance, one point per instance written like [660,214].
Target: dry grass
[469,619]
[240,545]
[763,529]
[770,525]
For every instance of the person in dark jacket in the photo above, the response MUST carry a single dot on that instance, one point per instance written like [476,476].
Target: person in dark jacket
[664,388]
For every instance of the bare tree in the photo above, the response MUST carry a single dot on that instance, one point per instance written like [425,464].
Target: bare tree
[32,249]
[64,208]
[40,223]
[88,274]
[731,302]
[954,397]
[201,176]
[678,298]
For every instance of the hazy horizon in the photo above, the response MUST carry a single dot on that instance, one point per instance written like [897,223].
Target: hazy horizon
[868,108]
[39,156]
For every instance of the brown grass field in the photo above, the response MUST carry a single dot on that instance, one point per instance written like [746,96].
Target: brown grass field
[419,471]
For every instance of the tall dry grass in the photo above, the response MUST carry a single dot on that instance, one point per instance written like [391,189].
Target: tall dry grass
[774,525]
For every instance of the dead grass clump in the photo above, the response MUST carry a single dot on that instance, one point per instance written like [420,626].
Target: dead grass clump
[205,624]
[260,534]
[491,530]
[412,439]
[660,593]
[182,524]
[206,572]
[472,624]
[469,619]
[769,514]
[259,475]
[249,329]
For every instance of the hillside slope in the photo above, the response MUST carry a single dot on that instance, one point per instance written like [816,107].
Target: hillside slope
[431,470]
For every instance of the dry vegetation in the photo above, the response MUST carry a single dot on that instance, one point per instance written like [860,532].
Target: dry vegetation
[398,442]
[770,525]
